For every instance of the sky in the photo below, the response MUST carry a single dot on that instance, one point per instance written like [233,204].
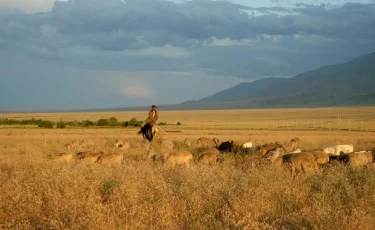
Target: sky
[83,54]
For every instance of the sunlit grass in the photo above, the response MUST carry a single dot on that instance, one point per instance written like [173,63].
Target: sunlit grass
[239,192]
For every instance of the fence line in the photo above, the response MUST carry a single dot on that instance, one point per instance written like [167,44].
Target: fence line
[327,125]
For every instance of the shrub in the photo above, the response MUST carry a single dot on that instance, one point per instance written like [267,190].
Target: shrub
[112,121]
[133,122]
[72,123]
[88,123]
[162,123]
[107,188]
[60,124]
[32,121]
[7,121]
[102,122]
[178,123]
[46,124]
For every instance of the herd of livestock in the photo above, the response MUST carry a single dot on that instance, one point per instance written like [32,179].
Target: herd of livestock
[210,149]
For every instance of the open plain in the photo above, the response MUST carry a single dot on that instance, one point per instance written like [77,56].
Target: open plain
[240,191]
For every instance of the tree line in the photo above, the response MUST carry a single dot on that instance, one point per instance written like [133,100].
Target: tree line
[103,122]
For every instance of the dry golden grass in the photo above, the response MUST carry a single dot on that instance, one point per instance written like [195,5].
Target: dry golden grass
[239,192]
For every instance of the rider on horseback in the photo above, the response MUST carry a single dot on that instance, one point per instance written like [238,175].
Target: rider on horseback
[151,119]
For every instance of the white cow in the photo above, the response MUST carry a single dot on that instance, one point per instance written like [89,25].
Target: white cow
[337,149]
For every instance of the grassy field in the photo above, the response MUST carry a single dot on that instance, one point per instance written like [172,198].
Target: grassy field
[239,192]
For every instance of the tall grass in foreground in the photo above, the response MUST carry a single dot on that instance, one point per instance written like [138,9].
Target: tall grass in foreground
[239,193]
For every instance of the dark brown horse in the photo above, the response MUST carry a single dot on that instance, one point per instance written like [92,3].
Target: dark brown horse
[146,132]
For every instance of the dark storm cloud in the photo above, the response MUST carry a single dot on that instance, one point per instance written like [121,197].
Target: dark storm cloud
[218,37]
[114,26]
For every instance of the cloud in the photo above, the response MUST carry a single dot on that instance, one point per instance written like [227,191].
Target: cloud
[228,42]
[147,39]
[167,51]
[28,6]
[137,91]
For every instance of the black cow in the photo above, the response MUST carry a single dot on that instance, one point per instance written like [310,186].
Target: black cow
[226,146]
[146,132]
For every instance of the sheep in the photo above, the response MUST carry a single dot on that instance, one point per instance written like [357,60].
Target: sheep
[119,143]
[168,144]
[208,157]
[178,158]
[216,141]
[301,162]
[368,155]
[296,151]
[125,146]
[65,158]
[201,142]
[189,142]
[275,156]
[207,142]
[248,144]
[110,159]
[270,146]
[320,157]
[79,144]
[337,149]
[88,157]
[152,155]
[226,146]
[294,143]
[357,159]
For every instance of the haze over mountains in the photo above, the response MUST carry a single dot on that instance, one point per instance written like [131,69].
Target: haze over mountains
[347,84]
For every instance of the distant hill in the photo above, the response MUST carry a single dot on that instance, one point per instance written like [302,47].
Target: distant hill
[347,84]
[244,90]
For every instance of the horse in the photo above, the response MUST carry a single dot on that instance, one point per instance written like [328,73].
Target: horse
[146,131]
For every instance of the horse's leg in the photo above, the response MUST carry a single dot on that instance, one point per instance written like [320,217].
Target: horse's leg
[148,135]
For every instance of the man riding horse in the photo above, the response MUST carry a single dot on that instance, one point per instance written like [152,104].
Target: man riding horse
[150,123]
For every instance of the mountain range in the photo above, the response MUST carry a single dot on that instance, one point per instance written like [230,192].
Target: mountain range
[347,84]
